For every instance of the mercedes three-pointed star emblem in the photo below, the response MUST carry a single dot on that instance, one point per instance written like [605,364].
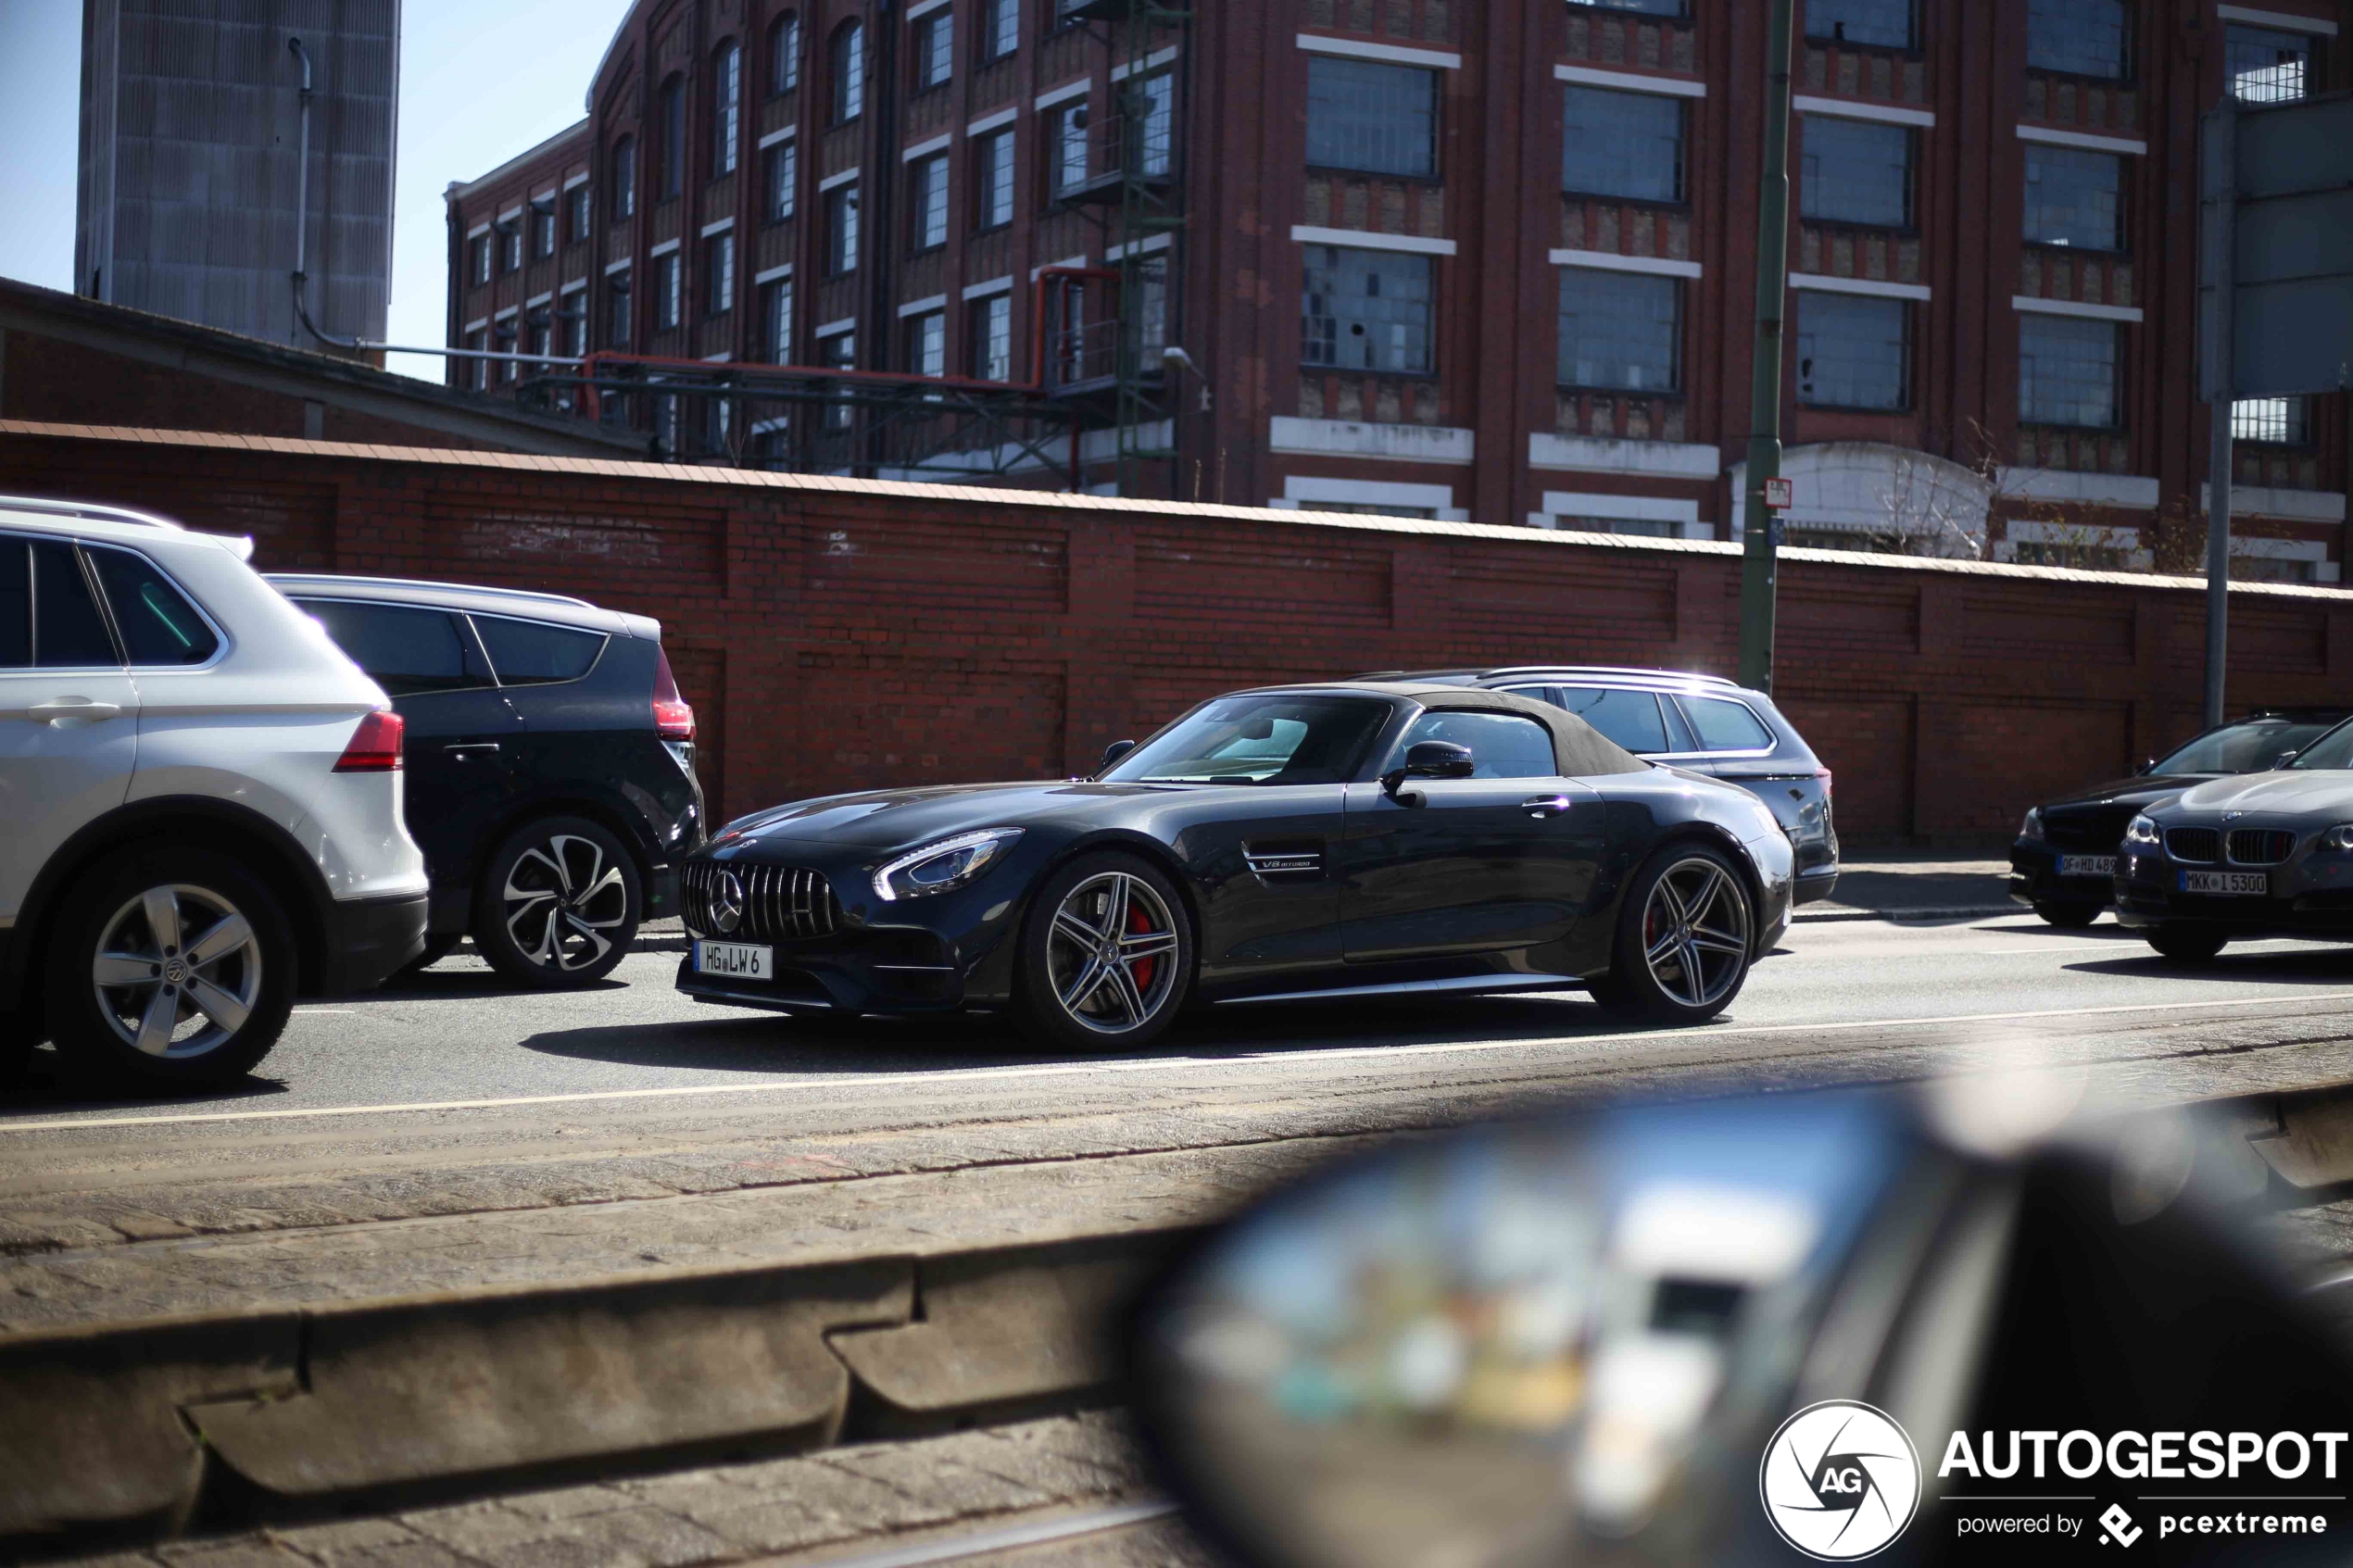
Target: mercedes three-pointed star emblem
[727,902]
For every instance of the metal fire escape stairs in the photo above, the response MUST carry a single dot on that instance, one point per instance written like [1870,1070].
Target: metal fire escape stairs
[1134,191]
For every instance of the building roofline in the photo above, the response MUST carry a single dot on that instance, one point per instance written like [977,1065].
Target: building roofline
[620,30]
[749,480]
[457,188]
[44,311]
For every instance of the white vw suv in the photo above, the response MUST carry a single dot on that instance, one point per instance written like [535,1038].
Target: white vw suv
[201,797]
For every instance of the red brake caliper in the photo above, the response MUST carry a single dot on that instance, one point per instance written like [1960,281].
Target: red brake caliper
[1139,924]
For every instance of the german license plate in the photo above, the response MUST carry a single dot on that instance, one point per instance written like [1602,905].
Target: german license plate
[2235,884]
[735,960]
[2087,865]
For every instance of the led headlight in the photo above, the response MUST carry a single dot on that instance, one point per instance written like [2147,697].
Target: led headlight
[2032,829]
[2339,837]
[948,864]
[2142,832]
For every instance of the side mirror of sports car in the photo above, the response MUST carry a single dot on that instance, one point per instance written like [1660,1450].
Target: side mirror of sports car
[1706,1333]
[1431,760]
[1115,751]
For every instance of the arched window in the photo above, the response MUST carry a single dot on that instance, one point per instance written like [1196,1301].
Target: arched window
[727,106]
[783,53]
[672,150]
[625,178]
[848,63]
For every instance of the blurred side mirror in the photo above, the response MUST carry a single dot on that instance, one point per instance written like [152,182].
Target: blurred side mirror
[1706,1333]
[1115,751]
[2283,758]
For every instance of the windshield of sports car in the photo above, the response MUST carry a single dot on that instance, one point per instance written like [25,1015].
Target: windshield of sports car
[1259,740]
[2244,747]
[2334,750]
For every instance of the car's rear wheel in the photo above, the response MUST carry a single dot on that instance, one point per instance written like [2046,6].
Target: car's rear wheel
[2187,944]
[1685,937]
[2069,915]
[1106,955]
[559,904]
[170,969]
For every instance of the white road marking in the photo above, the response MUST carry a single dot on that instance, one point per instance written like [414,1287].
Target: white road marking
[1006,1539]
[1147,1065]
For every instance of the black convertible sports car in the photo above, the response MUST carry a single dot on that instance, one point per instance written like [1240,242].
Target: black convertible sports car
[1285,843]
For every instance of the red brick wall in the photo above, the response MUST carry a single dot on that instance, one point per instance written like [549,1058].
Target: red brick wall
[836,634]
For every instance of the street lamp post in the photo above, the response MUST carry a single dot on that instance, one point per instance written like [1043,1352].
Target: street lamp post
[1761,535]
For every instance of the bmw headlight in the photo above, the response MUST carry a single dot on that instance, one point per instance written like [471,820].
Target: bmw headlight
[944,866]
[2141,832]
[2032,829]
[2339,837]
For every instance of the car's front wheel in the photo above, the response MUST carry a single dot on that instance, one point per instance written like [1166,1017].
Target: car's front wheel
[2069,915]
[559,904]
[170,969]
[1106,957]
[1684,935]
[2186,943]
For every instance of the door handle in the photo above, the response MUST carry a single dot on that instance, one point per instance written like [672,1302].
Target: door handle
[1547,805]
[72,707]
[473,748]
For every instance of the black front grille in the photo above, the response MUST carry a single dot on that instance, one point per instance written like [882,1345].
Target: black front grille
[780,903]
[2261,847]
[2203,845]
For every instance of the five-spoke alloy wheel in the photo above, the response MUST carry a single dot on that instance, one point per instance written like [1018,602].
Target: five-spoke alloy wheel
[1107,955]
[559,904]
[1685,935]
[185,962]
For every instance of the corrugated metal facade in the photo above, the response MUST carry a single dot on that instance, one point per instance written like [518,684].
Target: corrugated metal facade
[190,123]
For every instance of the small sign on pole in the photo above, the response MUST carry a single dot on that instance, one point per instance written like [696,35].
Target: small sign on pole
[1778,495]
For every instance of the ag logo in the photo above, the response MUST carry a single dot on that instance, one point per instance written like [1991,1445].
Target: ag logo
[1840,1480]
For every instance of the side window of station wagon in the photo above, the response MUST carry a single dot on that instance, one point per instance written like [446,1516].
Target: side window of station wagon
[1630,717]
[1722,724]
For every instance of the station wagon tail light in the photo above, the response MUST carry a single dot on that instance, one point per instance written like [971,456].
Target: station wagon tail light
[375,745]
[674,720]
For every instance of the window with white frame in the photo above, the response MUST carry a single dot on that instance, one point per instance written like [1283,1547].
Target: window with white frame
[2068,371]
[726,107]
[2074,197]
[1854,351]
[543,226]
[928,342]
[1855,171]
[1070,146]
[930,213]
[783,53]
[504,339]
[574,316]
[934,49]
[670,274]
[990,336]
[1000,28]
[581,202]
[2080,37]
[1371,116]
[719,274]
[511,244]
[540,333]
[1157,150]
[478,260]
[2273,422]
[993,190]
[1620,331]
[1618,143]
[782,180]
[617,316]
[2264,66]
[625,178]
[476,373]
[848,64]
[775,321]
[838,352]
[1367,310]
[673,149]
[841,228]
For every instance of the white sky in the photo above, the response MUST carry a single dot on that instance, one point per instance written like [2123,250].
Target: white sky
[480,82]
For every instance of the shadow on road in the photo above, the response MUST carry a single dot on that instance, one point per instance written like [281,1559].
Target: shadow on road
[750,1043]
[466,983]
[41,1090]
[2332,966]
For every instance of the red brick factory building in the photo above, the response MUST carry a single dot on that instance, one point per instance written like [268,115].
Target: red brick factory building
[1489,261]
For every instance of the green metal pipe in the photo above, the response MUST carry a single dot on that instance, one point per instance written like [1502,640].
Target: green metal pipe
[1760,538]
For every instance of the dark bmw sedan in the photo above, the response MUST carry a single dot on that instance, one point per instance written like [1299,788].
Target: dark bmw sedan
[2267,854]
[1345,840]
[2063,861]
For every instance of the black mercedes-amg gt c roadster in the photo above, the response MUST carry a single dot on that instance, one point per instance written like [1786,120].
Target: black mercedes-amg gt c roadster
[1281,844]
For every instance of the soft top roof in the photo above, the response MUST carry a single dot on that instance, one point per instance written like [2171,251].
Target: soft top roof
[1579,750]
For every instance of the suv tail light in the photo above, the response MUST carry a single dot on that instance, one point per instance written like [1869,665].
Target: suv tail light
[674,720]
[1824,774]
[375,745]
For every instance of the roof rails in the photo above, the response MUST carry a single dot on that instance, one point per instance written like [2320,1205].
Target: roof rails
[93,511]
[330,578]
[1620,669]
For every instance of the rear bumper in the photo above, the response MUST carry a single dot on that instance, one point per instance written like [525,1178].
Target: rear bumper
[367,940]
[1814,886]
